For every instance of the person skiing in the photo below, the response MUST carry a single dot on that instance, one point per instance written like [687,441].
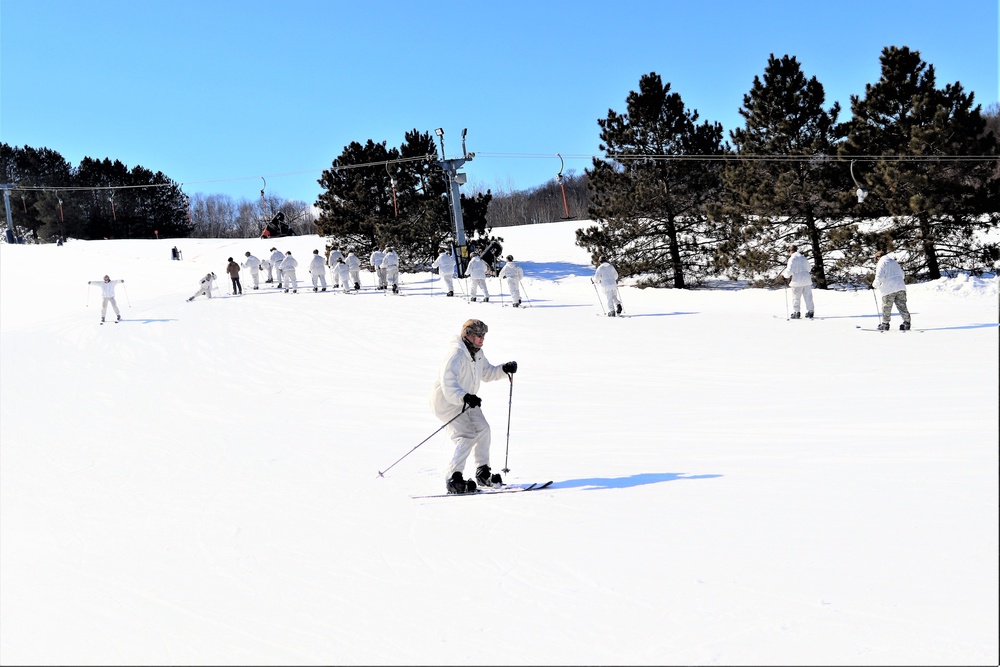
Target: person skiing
[233,269]
[891,284]
[331,260]
[445,265]
[253,264]
[343,274]
[107,286]
[205,286]
[455,401]
[277,257]
[288,266]
[799,279]
[353,269]
[477,274]
[376,261]
[317,271]
[607,277]
[513,273]
[390,266]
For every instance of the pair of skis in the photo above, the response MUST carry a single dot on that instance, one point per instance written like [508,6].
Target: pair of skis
[491,491]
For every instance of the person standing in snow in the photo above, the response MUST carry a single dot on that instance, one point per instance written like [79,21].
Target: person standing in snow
[513,273]
[343,274]
[455,402]
[390,266]
[288,279]
[891,284]
[253,264]
[233,269]
[107,286]
[205,286]
[353,269]
[376,261]
[445,265]
[799,279]
[477,274]
[331,260]
[606,277]
[317,271]
[277,257]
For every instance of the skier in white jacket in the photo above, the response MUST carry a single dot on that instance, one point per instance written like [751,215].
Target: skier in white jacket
[390,265]
[277,257]
[445,265]
[800,280]
[205,286]
[343,274]
[477,274]
[317,271]
[353,269]
[331,261]
[376,261]
[607,278]
[513,273]
[891,284]
[455,402]
[107,286]
[288,279]
[253,264]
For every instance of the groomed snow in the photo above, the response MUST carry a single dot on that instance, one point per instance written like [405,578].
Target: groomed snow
[199,484]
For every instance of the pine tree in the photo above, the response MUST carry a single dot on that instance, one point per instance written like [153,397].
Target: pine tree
[933,167]
[784,185]
[650,202]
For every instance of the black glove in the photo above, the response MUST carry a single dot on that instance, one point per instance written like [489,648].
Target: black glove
[510,367]
[472,400]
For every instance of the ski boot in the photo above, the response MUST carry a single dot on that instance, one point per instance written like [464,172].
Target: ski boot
[905,326]
[485,478]
[486,300]
[472,299]
[809,315]
[459,485]
[883,326]
[795,316]
[451,294]
[618,309]
[357,286]
[119,319]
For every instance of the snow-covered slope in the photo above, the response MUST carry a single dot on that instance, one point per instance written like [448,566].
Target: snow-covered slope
[199,484]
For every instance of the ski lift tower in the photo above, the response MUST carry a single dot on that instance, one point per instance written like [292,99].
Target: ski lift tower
[455,180]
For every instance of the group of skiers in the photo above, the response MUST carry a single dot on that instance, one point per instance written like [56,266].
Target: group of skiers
[889,282]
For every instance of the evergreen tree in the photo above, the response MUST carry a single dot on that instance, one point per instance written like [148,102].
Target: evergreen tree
[377,196]
[790,198]
[43,174]
[933,167]
[651,203]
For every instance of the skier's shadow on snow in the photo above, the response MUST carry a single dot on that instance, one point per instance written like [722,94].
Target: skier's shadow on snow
[598,483]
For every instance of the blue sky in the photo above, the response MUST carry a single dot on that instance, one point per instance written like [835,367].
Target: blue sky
[217,93]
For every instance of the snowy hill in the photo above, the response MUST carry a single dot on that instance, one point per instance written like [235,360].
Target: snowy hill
[199,483]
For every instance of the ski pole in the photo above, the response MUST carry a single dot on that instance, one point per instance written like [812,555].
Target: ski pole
[878,311]
[598,296]
[510,402]
[382,472]
[527,298]
[619,296]
[88,295]
[124,289]
[785,290]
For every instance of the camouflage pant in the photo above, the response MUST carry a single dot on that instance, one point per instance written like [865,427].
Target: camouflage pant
[898,298]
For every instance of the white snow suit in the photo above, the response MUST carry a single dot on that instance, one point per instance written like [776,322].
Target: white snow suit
[253,264]
[376,262]
[390,269]
[288,279]
[445,264]
[513,273]
[343,274]
[205,286]
[607,278]
[801,282]
[317,271]
[277,257]
[354,269]
[461,374]
[477,275]
[331,261]
[108,294]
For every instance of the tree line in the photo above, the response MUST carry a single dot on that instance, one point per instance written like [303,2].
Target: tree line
[914,170]
[104,199]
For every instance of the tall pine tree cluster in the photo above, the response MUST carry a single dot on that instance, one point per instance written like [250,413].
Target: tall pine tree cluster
[674,206]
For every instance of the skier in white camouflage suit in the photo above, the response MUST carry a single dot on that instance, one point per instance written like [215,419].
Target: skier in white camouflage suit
[477,271]
[891,284]
[455,401]
[107,286]
[513,273]
[607,278]
[800,280]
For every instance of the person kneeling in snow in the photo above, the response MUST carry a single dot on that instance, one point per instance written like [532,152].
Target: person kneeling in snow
[454,401]
[205,286]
